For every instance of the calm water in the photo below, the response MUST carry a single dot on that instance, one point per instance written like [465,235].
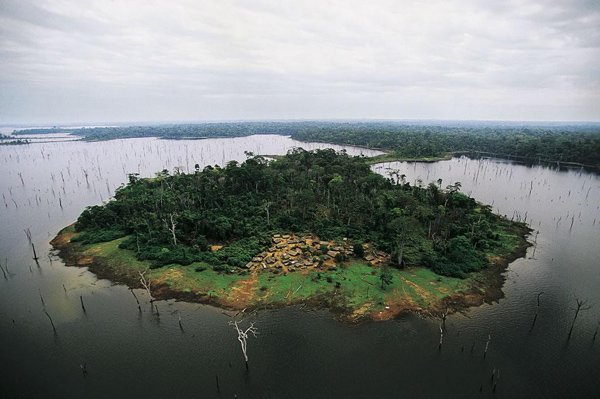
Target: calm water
[299,353]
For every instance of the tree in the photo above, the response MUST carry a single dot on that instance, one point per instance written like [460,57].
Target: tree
[581,304]
[358,250]
[385,277]
[243,336]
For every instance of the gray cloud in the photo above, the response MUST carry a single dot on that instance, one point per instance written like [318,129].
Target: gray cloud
[67,60]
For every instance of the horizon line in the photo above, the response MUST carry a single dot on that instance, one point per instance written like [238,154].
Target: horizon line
[73,124]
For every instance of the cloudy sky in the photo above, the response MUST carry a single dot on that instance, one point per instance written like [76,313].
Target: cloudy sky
[128,60]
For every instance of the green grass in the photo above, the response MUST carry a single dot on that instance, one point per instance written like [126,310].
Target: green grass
[359,284]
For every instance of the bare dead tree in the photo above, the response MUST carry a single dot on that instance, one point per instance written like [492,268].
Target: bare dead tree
[35,257]
[136,299]
[267,205]
[536,311]
[243,336]
[487,345]
[441,337]
[4,272]
[171,227]
[535,245]
[146,284]
[51,322]
[82,305]
[444,316]
[596,332]
[180,325]
[582,304]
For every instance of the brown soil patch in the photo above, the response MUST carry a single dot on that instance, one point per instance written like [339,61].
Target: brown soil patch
[243,292]
[63,238]
[486,286]
[396,303]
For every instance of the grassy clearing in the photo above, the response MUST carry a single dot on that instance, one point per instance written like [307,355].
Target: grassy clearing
[355,285]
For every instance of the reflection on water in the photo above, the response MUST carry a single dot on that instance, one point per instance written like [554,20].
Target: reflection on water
[299,353]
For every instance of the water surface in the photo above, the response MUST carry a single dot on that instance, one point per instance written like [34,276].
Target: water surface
[298,353]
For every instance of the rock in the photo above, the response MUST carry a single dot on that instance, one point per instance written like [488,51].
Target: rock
[332,254]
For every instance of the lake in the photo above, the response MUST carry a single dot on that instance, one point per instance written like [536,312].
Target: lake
[299,353]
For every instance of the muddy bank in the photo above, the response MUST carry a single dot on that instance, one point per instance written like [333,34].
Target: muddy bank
[481,287]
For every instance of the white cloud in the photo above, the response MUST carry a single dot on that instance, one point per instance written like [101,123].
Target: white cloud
[191,60]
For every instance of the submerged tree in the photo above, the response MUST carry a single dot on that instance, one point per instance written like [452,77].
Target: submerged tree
[243,336]
[582,304]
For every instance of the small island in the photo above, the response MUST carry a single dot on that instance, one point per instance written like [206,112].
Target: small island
[317,228]
[11,140]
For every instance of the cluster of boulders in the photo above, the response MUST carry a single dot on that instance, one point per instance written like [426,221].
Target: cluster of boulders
[289,253]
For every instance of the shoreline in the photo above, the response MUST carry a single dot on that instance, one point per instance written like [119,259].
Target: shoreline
[480,287]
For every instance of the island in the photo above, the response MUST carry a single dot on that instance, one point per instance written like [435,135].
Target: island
[316,228]
[11,140]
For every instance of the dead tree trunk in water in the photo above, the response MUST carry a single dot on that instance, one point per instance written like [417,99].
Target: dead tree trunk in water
[35,257]
[243,336]
[82,305]
[536,312]
[51,322]
[147,286]
[581,305]
[136,299]
[3,272]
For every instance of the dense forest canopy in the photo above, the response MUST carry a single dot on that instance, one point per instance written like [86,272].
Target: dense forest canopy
[172,218]
[578,143]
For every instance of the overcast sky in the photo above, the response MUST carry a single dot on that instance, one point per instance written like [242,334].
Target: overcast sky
[91,60]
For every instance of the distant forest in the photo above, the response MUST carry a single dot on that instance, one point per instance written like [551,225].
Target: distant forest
[549,142]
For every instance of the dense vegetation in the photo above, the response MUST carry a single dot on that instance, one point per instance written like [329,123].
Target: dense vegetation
[578,143]
[174,218]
